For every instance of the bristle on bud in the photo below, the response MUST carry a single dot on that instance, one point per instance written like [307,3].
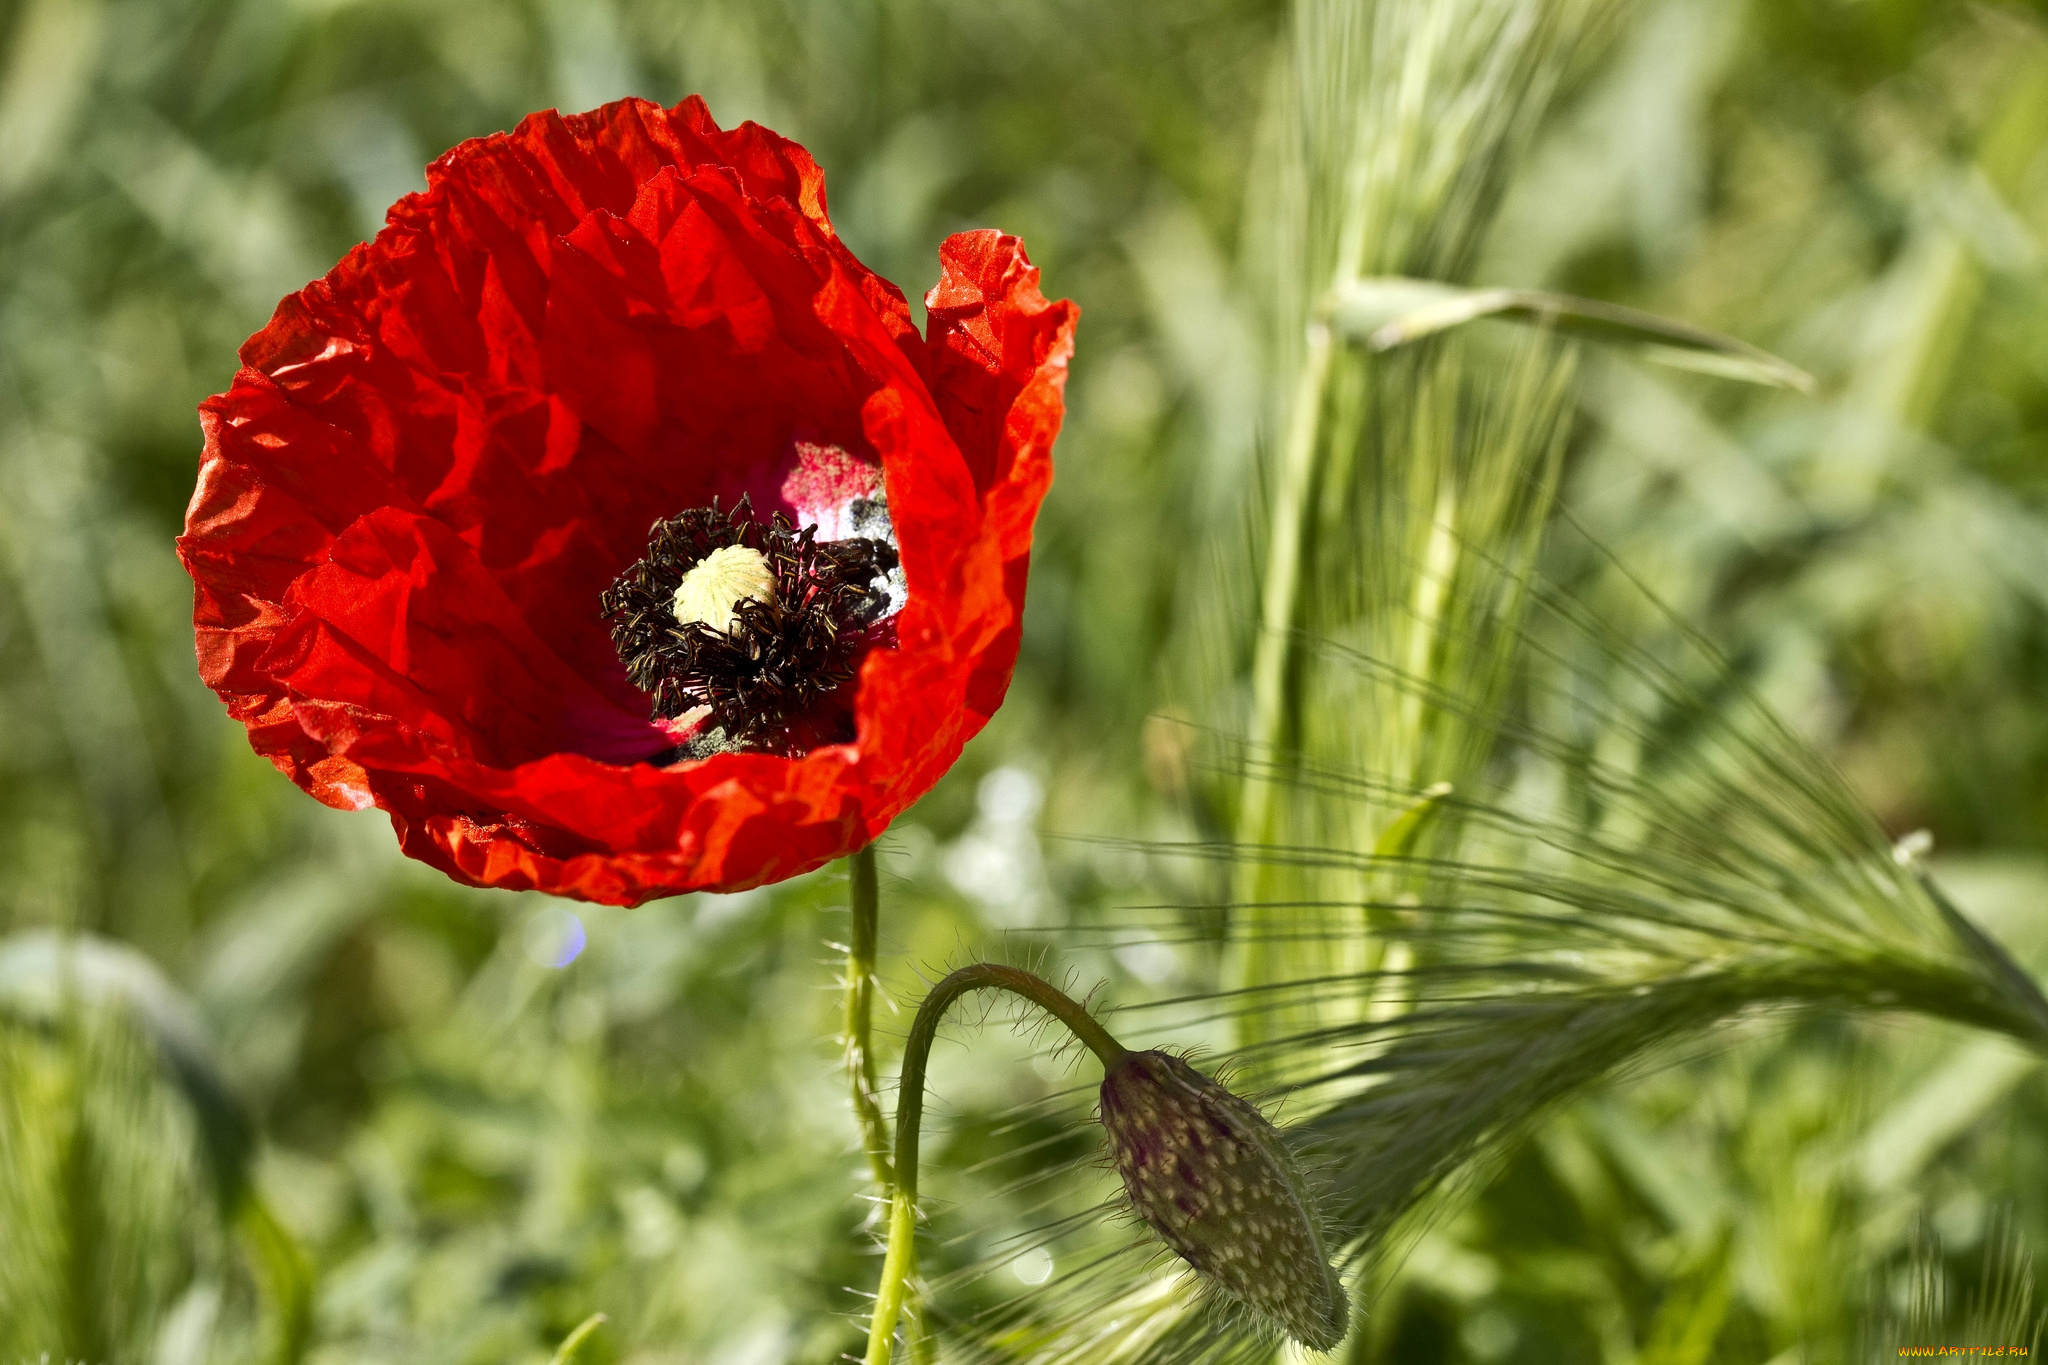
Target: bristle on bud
[1214,1178]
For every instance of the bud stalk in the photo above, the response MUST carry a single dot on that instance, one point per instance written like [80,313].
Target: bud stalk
[1201,1166]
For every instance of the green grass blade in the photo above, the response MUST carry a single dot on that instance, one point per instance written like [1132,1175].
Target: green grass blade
[287,1279]
[573,1344]
[1385,313]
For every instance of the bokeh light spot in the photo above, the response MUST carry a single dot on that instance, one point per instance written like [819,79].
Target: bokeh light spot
[554,937]
[1033,1266]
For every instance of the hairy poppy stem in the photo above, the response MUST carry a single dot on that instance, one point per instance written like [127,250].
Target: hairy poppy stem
[865,901]
[900,1259]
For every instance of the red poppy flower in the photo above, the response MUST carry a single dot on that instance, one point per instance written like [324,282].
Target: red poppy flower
[451,476]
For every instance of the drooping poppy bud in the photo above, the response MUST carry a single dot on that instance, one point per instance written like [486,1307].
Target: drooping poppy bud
[1210,1175]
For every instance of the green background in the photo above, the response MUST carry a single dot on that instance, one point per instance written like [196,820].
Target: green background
[476,1150]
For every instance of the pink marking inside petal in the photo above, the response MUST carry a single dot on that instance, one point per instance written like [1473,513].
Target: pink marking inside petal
[824,483]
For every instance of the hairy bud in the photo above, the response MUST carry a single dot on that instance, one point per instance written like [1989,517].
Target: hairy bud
[1214,1179]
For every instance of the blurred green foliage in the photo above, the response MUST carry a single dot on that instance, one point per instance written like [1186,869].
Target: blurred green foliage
[476,1149]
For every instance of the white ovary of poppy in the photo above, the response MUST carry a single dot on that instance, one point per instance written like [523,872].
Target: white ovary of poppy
[713,589]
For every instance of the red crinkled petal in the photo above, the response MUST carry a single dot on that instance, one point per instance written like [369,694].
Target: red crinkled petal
[436,458]
[998,368]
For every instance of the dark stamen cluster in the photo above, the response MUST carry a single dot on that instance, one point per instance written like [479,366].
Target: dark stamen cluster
[765,679]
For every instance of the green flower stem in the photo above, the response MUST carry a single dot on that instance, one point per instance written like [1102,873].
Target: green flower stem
[865,899]
[897,1264]
[901,1257]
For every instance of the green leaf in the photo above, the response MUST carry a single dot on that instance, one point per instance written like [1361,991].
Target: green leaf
[1390,312]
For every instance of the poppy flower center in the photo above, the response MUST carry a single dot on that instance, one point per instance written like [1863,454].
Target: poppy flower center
[743,633]
[711,592]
